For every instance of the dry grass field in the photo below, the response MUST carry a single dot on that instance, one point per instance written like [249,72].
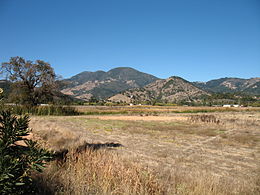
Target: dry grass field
[153,150]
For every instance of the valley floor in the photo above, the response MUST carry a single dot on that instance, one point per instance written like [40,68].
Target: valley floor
[181,148]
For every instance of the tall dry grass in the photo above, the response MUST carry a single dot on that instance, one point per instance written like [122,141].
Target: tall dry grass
[103,172]
[195,182]
[98,172]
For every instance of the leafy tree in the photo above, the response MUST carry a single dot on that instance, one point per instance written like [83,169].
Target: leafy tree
[33,82]
[18,160]
[93,100]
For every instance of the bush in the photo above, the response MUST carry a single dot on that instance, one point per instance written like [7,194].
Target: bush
[18,159]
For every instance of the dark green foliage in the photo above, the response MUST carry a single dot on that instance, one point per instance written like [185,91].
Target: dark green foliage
[17,161]
[44,110]
[85,77]
[107,89]
[230,98]
[126,73]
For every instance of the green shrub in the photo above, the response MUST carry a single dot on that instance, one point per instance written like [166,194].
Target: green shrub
[44,110]
[17,161]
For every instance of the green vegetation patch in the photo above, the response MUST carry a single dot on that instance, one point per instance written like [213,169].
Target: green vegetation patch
[43,110]
[18,156]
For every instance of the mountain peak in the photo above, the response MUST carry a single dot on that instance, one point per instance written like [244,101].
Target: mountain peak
[105,84]
[123,69]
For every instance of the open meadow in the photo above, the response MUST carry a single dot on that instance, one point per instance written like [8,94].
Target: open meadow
[151,150]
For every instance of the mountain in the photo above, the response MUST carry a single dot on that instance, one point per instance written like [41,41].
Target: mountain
[173,89]
[231,85]
[102,84]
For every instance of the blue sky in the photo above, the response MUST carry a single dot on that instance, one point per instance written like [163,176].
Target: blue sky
[198,40]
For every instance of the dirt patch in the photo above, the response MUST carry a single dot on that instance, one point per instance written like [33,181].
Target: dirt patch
[144,118]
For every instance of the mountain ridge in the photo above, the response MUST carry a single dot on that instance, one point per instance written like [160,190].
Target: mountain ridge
[101,84]
[231,85]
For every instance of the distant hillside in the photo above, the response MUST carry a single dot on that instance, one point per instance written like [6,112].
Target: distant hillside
[231,85]
[173,89]
[102,84]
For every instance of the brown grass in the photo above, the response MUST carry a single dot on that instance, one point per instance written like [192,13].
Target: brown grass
[204,183]
[153,110]
[174,156]
[105,172]
[99,172]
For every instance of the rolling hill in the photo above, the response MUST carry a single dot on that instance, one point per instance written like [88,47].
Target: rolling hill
[173,89]
[231,85]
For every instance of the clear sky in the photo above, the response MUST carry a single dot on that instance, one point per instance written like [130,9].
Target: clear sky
[198,40]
